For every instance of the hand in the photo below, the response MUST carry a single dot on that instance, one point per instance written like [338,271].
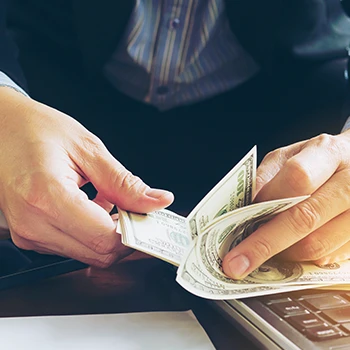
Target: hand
[46,156]
[316,229]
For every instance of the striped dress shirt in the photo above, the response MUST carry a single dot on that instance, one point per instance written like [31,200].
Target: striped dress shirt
[176,52]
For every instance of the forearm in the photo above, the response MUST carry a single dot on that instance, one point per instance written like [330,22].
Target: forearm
[5,81]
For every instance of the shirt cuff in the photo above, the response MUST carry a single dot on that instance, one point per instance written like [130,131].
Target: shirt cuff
[346,125]
[6,81]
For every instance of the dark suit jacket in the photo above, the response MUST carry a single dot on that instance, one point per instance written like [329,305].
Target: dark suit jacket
[272,31]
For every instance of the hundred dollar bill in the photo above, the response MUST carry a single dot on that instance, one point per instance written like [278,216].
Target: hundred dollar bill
[218,223]
[162,234]
[201,272]
[191,276]
[234,191]
[219,239]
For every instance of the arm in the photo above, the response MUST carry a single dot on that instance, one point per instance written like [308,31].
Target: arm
[45,158]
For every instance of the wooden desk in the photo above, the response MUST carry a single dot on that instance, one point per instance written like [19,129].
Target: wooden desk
[138,283]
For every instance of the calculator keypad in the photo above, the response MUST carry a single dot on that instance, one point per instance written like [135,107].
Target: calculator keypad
[318,316]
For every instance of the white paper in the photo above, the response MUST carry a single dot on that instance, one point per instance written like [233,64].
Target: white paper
[134,331]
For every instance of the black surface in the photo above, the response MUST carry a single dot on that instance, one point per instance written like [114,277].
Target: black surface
[18,266]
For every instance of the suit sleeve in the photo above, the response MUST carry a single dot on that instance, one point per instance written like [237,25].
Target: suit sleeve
[8,52]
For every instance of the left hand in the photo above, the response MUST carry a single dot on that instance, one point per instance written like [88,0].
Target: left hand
[317,229]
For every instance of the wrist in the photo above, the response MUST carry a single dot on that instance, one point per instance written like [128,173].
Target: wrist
[10,97]
[12,104]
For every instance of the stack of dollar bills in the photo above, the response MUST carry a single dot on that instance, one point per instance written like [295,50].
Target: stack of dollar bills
[198,243]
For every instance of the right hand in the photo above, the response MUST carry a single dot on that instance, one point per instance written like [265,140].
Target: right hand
[45,157]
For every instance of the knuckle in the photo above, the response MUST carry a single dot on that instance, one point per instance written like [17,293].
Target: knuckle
[131,182]
[303,218]
[315,249]
[88,147]
[298,177]
[92,144]
[274,155]
[341,146]
[262,249]
[102,245]
[332,143]
[327,140]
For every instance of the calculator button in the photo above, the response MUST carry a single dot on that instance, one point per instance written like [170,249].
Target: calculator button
[289,309]
[340,315]
[326,302]
[302,322]
[272,300]
[322,333]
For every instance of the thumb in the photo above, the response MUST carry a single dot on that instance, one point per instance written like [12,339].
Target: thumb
[115,183]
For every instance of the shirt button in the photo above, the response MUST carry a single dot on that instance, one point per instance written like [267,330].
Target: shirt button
[162,90]
[174,23]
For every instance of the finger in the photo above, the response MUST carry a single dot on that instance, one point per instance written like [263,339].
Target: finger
[103,203]
[288,227]
[273,162]
[118,185]
[323,242]
[341,254]
[304,172]
[84,220]
[66,207]
[50,240]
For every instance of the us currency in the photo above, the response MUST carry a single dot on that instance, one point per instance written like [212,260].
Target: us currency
[234,191]
[201,273]
[192,277]
[218,223]
[162,234]
[166,235]
[233,228]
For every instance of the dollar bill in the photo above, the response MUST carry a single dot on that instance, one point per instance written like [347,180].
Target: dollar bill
[222,219]
[161,233]
[166,235]
[234,191]
[233,228]
[192,277]
[201,272]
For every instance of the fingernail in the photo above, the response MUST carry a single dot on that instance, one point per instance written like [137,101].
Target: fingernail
[157,194]
[238,266]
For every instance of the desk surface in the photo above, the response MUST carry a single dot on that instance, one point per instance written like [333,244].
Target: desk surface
[138,283]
